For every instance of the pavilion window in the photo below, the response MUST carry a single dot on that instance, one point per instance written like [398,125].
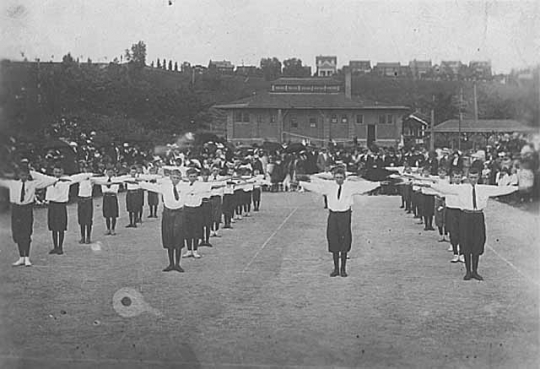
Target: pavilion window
[313,122]
[344,119]
[359,119]
[245,117]
[382,119]
[334,118]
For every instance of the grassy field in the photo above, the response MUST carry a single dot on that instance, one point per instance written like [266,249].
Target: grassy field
[262,296]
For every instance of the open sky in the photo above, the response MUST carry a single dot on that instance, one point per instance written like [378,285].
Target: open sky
[244,31]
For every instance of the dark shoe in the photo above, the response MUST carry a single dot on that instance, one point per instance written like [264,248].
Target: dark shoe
[129,226]
[227,226]
[150,216]
[430,229]
[477,276]
[135,225]
[335,273]
[179,269]
[53,251]
[169,268]
[401,207]
[155,216]
[467,277]
[88,241]
[207,244]
[343,273]
[82,241]
[409,212]
[60,252]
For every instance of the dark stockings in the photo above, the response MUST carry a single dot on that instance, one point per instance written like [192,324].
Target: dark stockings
[58,239]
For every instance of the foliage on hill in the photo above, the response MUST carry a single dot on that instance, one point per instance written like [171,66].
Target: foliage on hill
[134,102]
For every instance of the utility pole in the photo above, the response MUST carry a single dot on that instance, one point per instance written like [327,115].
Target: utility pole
[432,127]
[460,117]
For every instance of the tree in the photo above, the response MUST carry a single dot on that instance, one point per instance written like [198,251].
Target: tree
[137,54]
[170,65]
[152,64]
[271,68]
[158,64]
[164,65]
[293,68]
[176,66]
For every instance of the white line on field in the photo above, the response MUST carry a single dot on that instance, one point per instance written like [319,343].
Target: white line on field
[513,266]
[269,238]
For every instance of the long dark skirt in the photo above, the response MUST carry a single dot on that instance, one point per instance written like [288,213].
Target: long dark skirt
[428,205]
[110,206]
[228,204]
[472,233]
[215,203]
[206,214]
[153,198]
[246,197]
[417,202]
[193,222]
[256,194]
[85,210]
[452,219]
[338,231]
[133,201]
[57,216]
[22,223]
[440,212]
[237,199]
[172,228]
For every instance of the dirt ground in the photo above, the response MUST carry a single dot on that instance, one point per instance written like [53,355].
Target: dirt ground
[262,296]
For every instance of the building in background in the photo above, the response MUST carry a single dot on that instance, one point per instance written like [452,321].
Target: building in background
[358,67]
[387,69]
[223,67]
[248,71]
[480,70]
[326,65]
[420,69]
[318,110]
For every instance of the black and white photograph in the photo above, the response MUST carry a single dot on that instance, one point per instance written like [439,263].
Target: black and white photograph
[269,184]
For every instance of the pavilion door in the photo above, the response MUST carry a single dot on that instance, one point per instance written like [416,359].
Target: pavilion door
[371,134]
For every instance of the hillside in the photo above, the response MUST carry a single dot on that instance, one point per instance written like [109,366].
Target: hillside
[150,104]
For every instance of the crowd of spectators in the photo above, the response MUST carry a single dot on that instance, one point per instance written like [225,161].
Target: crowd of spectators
[506,160]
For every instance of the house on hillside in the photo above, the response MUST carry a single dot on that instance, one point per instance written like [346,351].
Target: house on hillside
[449,69]
[420,69]
[247,70]
[480,70]
[223,67]
[387,69]
[319,110]
[360,66]
[326,65]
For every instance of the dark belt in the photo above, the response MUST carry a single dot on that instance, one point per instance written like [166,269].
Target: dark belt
[132,190]
[472,211]
[85,198]
[109,194]
[340,212]
[58,203]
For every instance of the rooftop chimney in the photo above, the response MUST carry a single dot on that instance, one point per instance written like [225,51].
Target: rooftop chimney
[348,82]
